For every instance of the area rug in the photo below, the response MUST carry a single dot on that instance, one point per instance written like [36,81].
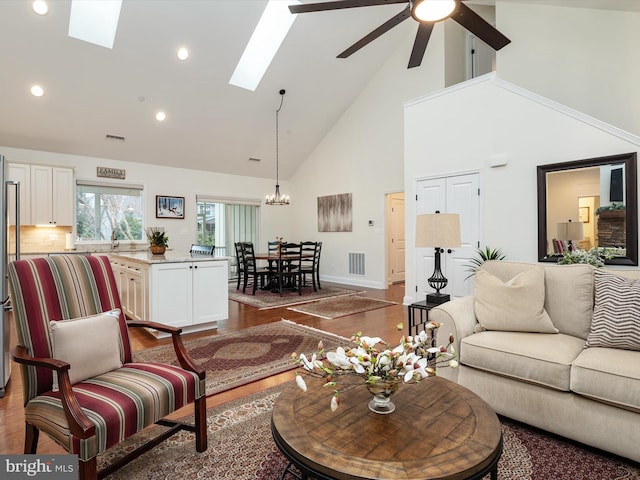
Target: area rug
[341,307]
[241,448]
[265,299]
[241,357]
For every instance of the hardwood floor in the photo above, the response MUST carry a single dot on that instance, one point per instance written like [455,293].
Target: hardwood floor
[381,322]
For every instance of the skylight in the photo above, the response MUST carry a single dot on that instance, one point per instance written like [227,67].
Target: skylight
[265,41]
[95,21]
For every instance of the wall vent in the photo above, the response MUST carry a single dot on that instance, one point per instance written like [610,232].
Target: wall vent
[356,263]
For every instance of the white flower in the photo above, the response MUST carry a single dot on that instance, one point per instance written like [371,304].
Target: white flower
[453,363]
[308,364]
[334,403]
[301,383]
[339,359]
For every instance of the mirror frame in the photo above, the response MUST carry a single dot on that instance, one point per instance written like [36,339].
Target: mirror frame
[629,162]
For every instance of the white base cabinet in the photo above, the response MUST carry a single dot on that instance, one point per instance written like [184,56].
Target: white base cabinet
[192,295]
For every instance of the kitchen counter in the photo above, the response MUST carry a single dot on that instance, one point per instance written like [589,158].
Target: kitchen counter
[168,257]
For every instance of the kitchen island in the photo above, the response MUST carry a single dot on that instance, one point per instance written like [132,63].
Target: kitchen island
[181,290]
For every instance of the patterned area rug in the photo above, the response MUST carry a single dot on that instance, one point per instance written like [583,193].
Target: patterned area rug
[241,448]
[265,299]
[244,356]
[340,307]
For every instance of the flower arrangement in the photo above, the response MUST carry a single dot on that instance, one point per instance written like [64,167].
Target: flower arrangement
[596,256]
[156,236]
[373,361]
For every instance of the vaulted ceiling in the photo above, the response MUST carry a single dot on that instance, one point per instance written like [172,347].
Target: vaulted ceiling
[92,92]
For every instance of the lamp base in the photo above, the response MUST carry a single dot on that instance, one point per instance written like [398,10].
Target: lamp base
[437,298]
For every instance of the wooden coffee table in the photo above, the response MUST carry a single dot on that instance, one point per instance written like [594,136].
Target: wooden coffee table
[439,430]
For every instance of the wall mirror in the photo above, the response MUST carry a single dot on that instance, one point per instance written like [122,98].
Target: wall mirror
[589,203]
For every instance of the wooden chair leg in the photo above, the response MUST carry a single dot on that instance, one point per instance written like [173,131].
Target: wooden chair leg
[201,424]
[31,439]
[88,470]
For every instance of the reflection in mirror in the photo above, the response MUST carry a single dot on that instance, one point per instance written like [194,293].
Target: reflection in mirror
[586,204]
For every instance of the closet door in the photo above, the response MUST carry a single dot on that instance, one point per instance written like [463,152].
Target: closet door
[454,194]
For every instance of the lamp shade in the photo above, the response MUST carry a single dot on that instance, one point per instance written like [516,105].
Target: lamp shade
[432,10]
[438,230]
[570,231]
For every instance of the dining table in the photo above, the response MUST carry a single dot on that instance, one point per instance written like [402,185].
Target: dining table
[273,260]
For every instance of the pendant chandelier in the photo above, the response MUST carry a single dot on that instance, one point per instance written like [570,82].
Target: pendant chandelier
[277,198]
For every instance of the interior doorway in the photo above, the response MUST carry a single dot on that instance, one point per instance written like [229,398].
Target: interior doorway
[395,236]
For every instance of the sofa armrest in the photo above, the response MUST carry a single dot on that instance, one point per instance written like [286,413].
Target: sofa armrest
[458,318]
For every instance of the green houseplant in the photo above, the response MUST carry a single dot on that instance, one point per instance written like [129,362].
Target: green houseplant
[158,240]
[482,255]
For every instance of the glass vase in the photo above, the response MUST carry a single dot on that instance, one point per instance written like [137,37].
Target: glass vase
[382,390]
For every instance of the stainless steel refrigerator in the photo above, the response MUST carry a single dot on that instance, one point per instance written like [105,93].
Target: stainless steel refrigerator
[7,189]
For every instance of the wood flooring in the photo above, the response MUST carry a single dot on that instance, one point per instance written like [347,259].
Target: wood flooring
[381,322]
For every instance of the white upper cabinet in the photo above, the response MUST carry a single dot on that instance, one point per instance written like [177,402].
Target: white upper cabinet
[46,194]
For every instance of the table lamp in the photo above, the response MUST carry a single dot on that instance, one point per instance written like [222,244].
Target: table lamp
[438,230]
[570,231]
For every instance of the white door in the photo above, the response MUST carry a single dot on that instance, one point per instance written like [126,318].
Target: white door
[172,294]
[455,194]
[396,237]
[210,284]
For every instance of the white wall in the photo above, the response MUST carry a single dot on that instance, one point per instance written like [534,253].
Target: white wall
[463,127]
[363,155]
[179,182]
[584,58]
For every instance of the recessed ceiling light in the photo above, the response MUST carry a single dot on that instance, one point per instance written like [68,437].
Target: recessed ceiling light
[265,41]
[40,7]
[37,91]
[183,53]
[160,116]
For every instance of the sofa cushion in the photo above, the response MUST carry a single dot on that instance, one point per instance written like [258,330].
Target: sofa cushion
[569,297]
[516,305]
[608,375]
[543,359]
[616,314]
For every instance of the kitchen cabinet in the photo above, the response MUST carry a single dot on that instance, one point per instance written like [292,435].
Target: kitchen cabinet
[176,290]
[51,195]
[20,172]
[46,194]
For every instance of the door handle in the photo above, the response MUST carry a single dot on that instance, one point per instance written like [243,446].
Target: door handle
[449,250]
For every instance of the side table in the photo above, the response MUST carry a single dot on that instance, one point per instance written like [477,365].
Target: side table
[419,315]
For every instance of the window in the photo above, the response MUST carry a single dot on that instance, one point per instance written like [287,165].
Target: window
[104,209]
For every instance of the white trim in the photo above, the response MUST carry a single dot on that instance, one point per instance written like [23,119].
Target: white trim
[114,184]
[534,97]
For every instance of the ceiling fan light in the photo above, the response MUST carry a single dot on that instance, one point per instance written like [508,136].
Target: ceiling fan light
[432,10]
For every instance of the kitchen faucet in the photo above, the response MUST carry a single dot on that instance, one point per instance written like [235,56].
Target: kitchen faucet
[114,242]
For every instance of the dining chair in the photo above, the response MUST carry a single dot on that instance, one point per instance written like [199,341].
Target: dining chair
[81,385]
[288,272]
[252,272]
[308,263]
[202,249]
[239,263]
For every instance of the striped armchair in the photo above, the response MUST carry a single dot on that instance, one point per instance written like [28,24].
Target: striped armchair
[95,413]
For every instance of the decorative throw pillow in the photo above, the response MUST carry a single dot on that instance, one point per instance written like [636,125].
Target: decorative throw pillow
[91,345]
[616,312]
[513,306]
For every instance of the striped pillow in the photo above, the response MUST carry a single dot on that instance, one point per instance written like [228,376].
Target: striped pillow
[616,313]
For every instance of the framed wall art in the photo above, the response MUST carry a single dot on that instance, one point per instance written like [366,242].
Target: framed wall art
[169,207]
[335,213]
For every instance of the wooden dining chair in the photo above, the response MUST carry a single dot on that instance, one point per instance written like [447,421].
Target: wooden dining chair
[253,275]
[239,263]
[81,386]
[202,249]
[308,263]
[288,273]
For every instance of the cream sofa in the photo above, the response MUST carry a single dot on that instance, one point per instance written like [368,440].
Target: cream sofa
[552,380]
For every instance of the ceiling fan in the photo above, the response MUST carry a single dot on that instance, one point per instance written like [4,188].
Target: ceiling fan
[426,12]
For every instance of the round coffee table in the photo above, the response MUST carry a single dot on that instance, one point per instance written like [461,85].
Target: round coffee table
[439,430]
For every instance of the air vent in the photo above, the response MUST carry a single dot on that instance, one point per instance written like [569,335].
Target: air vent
[114,137]
[356,263]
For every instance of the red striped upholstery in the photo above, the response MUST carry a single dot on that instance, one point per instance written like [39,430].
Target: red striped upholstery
[120,402]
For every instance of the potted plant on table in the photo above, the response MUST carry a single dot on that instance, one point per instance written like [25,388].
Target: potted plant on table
[158,240]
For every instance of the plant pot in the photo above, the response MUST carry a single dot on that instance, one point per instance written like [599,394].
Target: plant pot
[382,391]
[157,249]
